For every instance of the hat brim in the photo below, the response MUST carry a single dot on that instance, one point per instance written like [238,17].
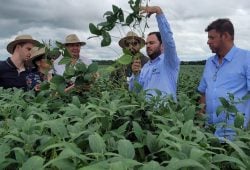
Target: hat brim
[11,45]
[81,43]
[123,40]
[51,54]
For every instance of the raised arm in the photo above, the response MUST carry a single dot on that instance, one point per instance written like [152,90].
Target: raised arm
[169,48]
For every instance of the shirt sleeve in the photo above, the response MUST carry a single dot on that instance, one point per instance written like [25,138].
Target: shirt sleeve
[248,77]
[170,54]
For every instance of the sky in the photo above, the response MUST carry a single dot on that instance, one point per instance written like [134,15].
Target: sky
[53,20]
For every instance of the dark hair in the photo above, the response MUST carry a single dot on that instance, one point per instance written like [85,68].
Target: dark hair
[21,44]
[40,57]
[157,34]
[222,25]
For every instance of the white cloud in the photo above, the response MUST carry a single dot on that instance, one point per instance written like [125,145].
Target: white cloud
[54,19]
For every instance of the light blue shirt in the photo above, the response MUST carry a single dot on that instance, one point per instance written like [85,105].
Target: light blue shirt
[162,72]
[231,76]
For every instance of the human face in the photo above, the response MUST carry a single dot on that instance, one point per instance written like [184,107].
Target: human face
[215,41]
[132,45]
[153,46]
[43,65]
[74,49]
[24,51]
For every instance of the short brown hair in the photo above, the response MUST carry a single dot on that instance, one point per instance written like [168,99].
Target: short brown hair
[222,25]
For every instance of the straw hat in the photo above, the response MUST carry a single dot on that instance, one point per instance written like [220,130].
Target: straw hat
[72,38]
[36,52]
[20,39]
[131,35]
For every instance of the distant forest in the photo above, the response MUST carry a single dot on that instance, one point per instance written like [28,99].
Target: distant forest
[110,62]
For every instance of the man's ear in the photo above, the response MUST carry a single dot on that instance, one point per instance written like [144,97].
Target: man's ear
[227,36]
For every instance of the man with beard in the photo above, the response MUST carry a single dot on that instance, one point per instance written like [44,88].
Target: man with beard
[133,43]
[161,71]
[13,71]
[228,71]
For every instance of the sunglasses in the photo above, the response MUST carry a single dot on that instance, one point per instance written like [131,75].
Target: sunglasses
[133,43]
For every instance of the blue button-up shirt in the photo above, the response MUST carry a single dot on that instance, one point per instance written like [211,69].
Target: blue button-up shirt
[231,76]
[162,72]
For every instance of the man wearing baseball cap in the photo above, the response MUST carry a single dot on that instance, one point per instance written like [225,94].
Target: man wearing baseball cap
[13,71]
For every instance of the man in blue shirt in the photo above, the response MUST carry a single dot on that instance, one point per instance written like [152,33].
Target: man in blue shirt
[13,71]
[161,71]
[228,71]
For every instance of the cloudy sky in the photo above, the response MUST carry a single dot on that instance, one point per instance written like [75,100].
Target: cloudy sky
[53,19]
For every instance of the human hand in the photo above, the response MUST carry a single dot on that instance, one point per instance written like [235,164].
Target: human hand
[136,66]
[149,10]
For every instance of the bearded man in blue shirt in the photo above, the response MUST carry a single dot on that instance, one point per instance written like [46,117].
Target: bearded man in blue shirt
[228,71]
[161,71]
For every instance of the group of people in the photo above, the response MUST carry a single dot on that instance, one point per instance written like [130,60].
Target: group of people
[228,71]
[30,65]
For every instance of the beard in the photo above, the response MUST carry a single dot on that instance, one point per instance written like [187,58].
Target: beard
[154,54]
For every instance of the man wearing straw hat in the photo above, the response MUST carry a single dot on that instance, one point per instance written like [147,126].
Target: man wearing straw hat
[134,44]
[13,71]
[73,44]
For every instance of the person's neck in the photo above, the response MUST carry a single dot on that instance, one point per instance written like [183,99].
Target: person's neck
[74,59]
[17,62]
[224,52]
[154,56]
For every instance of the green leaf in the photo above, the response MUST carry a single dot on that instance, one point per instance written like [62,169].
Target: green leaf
[239,121]
[80,67]
[4,151]
[115,8]
[121,16]
[76,101]
[102,165]
[152,142]
[126,149]
[80,81]
[106,41]
[34,162]
[107,13]
[69,71]
[219,110]
[224,158]
[125,59]
[187,128]
[238,150]
[232,109]
[175,164]
[88,77]
[92,68]
[96,143]
[59,45]
[57,79]
[138,131]
[224,102]
[152,165]
[190,113]
[196,154]
[94,30]
[129,19]
[58,128]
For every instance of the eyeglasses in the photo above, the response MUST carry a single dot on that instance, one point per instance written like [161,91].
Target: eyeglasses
[133,43]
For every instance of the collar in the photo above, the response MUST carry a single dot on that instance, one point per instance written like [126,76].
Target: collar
[10,63]
[156,59]
[228,57]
